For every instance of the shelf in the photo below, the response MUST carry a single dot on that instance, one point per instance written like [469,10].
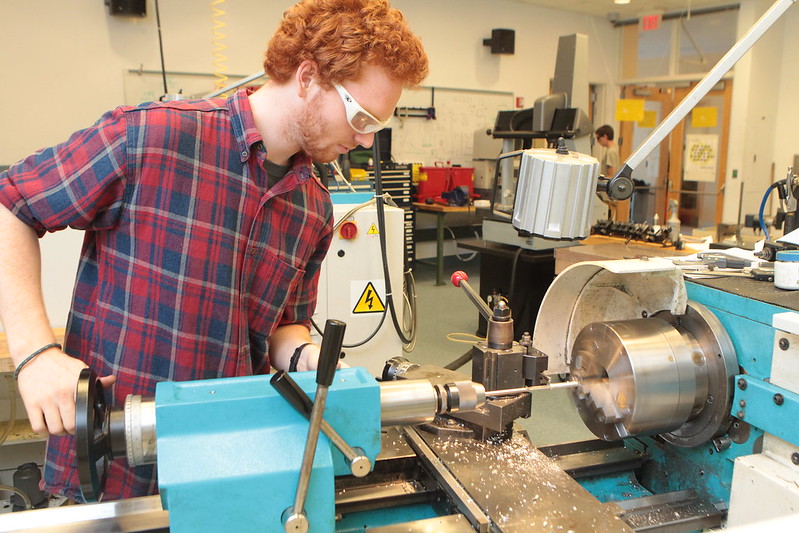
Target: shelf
[21,434]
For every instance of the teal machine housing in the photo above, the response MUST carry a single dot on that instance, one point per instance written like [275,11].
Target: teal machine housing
[229,450]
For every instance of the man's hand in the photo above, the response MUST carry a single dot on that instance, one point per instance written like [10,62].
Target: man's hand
[47,385]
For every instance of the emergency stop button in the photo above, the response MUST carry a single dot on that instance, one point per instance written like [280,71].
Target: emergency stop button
[348,230]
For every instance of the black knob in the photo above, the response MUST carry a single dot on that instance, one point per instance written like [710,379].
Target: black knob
[329,352]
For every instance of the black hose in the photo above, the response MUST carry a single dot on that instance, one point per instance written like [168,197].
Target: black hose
[360,343]
[460,361]
[514,265]
[381,225]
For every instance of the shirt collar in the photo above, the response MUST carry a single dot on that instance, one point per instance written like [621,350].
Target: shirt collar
[243,122]
[247,134]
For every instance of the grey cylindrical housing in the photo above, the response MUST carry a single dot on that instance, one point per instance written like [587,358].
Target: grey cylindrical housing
[140,438]
[416,401]
[408,402]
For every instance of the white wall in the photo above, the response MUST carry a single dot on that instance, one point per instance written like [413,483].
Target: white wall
[65,63]
[764,106]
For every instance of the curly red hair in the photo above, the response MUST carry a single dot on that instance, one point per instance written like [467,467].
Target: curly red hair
[343,35]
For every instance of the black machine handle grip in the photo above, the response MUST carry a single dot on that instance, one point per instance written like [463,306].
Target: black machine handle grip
[292,393]
[330,351]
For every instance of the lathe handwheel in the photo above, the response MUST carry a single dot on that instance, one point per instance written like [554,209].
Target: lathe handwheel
[92,435]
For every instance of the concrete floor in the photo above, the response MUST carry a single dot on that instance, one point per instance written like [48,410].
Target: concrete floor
[445,309]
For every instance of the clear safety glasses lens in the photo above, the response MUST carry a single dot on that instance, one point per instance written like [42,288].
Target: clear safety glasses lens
[360,119]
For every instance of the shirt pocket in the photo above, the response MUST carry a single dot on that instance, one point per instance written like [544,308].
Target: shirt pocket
[273,283]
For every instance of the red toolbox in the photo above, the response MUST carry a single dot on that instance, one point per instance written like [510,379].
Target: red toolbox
[432,182]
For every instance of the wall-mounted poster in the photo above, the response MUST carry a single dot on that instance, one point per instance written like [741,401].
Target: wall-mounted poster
[701,157]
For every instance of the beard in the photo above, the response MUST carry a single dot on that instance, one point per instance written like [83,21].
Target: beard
[310,133]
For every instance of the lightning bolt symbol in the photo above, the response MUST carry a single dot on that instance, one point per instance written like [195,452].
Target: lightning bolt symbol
[369,298]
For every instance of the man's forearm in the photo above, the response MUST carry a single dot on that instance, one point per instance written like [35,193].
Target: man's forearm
[22,310]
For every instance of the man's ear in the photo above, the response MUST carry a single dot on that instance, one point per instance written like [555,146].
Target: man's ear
[305,76]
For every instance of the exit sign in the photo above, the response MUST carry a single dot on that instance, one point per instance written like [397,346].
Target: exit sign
[650,21]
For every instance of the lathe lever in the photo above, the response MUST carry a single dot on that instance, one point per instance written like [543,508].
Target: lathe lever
[291,392]
[294,519]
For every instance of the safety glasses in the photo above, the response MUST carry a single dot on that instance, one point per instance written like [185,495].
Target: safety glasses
[359,118]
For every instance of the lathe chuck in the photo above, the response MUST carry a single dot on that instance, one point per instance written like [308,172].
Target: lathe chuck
[668,375]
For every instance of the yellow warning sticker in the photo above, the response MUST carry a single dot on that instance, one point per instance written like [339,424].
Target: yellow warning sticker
[369,302]
[373,230]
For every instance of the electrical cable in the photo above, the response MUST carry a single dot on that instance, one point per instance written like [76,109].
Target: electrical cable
[219,58]
[357,344]
[460,361]
[12,417]
[473,254]
[409,322]
[514,265]
[339,175]
[351,212]
[451,337]
[381,225]
[161,46]
[763,207]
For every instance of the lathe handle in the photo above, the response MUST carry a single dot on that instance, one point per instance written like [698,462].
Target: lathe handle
[292,392]
[330,351]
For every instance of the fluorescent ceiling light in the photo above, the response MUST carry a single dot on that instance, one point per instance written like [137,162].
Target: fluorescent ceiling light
[621,1]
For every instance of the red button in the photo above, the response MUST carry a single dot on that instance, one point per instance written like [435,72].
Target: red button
[348,230]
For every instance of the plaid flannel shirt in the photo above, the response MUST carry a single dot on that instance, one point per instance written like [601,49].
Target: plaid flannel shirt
[189,261]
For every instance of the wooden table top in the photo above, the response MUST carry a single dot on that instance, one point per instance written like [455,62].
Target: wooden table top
[438,208]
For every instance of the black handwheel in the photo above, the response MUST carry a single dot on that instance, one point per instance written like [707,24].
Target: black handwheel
[92,435]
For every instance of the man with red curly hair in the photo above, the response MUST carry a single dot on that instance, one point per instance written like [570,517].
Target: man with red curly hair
[205,227]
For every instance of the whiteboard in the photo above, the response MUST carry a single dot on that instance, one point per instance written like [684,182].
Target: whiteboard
[450,137]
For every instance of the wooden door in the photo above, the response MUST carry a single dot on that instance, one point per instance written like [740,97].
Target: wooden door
[677,170]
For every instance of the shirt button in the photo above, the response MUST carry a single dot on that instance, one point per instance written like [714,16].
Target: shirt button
[244,153]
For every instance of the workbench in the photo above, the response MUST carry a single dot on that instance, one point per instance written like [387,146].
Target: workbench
[440,211]
[602,248]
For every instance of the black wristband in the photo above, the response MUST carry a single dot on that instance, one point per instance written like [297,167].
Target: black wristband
[295,358]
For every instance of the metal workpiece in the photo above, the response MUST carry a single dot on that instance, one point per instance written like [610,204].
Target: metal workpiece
[668,375]
[521,390]
[140,439]
[417,401]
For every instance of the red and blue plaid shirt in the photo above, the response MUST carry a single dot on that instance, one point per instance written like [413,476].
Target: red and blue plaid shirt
[189,260]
